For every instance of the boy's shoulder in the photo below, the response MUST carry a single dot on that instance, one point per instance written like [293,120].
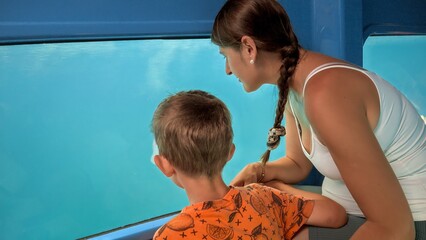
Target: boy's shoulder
[179,223]
[261,188]
[184,226]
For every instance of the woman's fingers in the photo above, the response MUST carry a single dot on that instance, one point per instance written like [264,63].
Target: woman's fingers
[248,175]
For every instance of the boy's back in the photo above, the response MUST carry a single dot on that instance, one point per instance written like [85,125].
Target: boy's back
[251,212]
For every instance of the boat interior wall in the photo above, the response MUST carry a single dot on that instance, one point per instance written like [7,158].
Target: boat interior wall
[335,27]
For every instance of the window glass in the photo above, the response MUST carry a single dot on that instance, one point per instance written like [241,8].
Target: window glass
[401,61]
[75,142]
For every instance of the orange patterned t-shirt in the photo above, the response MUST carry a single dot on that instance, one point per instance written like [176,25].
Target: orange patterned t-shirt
[245,213]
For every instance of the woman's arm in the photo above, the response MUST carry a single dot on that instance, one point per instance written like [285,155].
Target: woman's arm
[292,168]
[326,212]
[339,107]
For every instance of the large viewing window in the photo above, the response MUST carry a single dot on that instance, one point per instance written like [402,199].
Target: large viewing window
[75,142]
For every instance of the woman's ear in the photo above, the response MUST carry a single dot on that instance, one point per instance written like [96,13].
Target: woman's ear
[248,46]
[164,165]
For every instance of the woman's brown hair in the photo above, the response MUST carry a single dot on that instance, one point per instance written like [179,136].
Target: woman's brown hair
[268,24]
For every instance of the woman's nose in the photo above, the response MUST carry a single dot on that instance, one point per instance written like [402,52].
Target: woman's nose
[227,69]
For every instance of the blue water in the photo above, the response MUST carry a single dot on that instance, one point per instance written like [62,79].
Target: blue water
[75,142]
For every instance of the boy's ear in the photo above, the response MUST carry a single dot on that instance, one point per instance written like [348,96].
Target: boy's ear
[164,165]
[231,152]
[249,47]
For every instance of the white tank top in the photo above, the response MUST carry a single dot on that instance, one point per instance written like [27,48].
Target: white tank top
[401,133]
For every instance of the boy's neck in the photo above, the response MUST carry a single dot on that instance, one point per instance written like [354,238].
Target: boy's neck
[202,189]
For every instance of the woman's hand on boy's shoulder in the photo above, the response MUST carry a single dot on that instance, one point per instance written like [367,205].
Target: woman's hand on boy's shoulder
[248,175]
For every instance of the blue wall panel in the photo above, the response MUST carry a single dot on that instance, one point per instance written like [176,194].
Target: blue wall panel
[394,17]
[335,27]
[59,20]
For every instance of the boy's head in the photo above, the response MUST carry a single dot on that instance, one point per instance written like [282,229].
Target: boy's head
[193,132]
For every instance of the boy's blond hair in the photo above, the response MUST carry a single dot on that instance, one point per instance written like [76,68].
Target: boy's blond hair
[193,131]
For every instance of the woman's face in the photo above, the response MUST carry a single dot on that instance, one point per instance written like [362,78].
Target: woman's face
[238,63]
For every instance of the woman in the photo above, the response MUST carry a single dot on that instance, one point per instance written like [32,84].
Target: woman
[363,135]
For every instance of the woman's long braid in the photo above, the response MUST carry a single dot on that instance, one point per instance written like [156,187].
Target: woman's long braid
[268,24]
[290,58]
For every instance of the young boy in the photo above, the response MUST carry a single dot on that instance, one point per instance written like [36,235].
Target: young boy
[194,136]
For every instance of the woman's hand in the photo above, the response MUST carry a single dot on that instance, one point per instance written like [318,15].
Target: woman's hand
[251,173]
[284,169]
